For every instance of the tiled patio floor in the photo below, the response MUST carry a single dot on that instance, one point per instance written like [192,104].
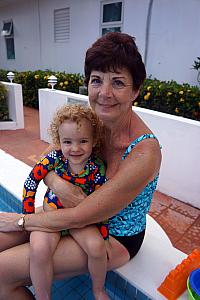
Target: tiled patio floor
[179,220]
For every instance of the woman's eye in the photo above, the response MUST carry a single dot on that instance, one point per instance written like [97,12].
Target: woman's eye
[118,84]
[96,82]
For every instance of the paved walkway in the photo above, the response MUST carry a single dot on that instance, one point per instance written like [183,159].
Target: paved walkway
[179,220]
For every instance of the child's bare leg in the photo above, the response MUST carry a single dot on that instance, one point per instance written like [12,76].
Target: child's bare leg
[42,247]
[91,241]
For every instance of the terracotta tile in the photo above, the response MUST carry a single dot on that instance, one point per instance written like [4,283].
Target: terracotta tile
[191,238]
[162,198]
[174,224]
[185,209]
[156,209]
[186,244]
[159,203]
[24,144]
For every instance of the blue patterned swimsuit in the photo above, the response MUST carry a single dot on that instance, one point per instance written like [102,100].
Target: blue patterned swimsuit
[131,221]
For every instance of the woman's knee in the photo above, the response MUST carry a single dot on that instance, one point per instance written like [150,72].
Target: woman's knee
[5,276]
[3,292]
[3,268]
[11,239]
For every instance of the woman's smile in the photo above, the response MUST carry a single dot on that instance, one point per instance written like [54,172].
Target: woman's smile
[107,105]
[111,94]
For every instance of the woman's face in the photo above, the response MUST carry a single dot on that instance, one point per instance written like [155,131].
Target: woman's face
[111,94]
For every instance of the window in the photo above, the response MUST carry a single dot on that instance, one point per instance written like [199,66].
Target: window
[7,28]
[10,48]
[111,16]
[62,24]
[8,33]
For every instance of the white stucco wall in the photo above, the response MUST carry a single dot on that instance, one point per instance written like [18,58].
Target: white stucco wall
[15,107]
[180,169]
[173,35]
[174,41]
[49,102]
[84,29]
[26,35]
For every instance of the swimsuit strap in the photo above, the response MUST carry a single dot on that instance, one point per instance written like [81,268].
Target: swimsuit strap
[136,141]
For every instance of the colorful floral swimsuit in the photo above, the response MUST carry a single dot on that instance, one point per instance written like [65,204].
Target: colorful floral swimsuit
[89,179]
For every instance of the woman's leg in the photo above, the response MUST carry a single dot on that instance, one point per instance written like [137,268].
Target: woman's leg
[92,242]
[11,239]
[69,260]
[42,248]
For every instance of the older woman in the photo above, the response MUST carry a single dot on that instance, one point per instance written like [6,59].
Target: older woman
[114,73]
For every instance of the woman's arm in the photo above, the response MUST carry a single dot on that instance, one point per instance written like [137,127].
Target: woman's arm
[139,168]
[69,194]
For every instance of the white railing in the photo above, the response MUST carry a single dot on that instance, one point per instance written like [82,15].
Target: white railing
[179,137]
[49,101]
[15,107]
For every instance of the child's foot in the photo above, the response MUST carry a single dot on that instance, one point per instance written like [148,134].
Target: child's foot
[101,295]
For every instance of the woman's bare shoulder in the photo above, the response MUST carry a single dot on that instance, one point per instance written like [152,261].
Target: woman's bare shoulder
[145,155]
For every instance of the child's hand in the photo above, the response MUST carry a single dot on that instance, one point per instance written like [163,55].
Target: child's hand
[108,249]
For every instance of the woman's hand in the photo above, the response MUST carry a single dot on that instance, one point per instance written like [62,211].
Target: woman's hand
[8,222]
[69,194]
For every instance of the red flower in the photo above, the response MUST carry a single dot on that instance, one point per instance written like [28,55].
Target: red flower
[59,204]
[39,172]
[66,177]
[91,177]
[104,231]
[80,180]
[28,205]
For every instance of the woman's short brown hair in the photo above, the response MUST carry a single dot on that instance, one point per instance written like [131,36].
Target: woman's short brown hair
[114,51]
[75,113]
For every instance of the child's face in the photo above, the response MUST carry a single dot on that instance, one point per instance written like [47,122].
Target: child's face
[76,142]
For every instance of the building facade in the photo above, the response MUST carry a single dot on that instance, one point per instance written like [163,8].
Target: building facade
[49,34]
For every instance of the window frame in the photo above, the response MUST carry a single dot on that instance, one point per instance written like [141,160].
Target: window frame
[112,24]
[7,32]
[61,35]
[9,39]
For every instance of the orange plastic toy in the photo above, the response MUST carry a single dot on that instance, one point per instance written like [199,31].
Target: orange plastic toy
[175,282]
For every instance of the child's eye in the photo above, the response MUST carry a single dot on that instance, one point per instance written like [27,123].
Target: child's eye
[84,141]
[67,142]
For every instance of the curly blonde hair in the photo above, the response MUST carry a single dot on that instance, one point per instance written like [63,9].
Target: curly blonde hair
[75,113]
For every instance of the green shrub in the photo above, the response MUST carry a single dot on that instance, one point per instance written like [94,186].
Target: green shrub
[3,75]
[4,114]
[168,97]
[32,81]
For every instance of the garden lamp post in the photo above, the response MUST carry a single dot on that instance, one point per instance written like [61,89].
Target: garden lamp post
[11,76]
[52,80]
